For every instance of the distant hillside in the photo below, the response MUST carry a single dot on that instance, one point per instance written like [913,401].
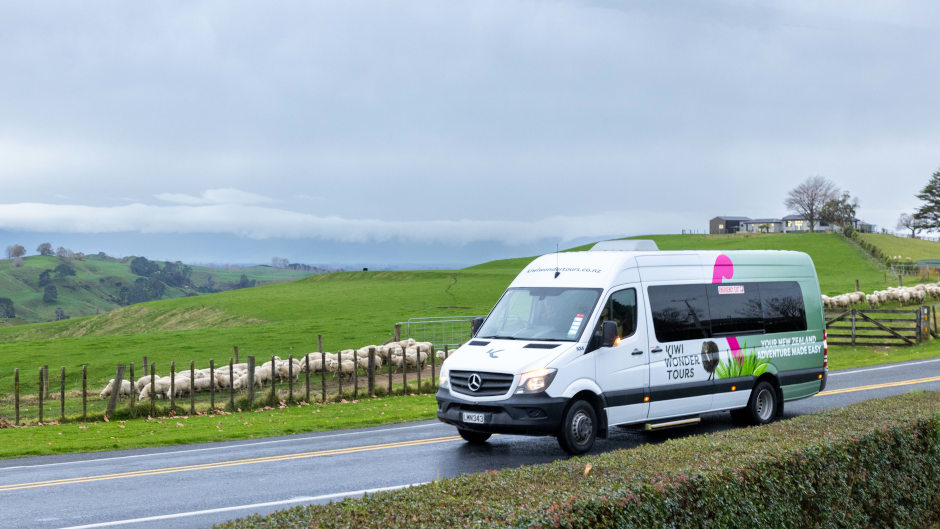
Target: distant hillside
[48,288]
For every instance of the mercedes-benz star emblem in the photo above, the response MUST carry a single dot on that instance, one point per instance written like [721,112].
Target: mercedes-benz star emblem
[475,382]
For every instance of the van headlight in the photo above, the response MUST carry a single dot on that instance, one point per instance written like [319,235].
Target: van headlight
[443,382]
[535,381]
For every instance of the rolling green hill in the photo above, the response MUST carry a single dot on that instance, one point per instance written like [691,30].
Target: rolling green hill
[904,247]
[98,283]
[350,309]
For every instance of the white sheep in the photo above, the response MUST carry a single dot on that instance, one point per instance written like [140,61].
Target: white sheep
[124,392]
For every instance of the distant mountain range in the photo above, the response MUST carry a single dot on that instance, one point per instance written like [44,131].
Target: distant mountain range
[46,288]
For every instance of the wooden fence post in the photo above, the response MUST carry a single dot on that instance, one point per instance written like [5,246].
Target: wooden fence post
[231,386]
[857,287]
[192,387]
[390,371]
[62,395]
[397,332]
[153,387]
[339,376]
[307,376]
[418,369]
[433,354]
[172,385]
[251,380]
[45,374]
[236,354]
[84,392]
[145,364]
[322,368]
[404,372]
[273,379]
[371,371]
[290,378]
[212,385]
[41,387]
[115,390]
[16,396]
[919,328]
[133,403]
[355,374]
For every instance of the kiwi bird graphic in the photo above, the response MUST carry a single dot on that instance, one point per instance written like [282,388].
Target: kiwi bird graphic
[710,357]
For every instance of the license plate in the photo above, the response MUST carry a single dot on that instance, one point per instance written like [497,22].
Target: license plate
[473,418]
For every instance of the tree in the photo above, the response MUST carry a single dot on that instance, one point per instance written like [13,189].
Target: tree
[6,308]
[144,267]
[45,249]
[60,314]
[16,250]
[64,253]
[50,294]
[808,198]
[64,269]
[840,211]
[45,277]
[910,222]
[929,212]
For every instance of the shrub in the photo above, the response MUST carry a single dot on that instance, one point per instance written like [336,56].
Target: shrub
[873,464]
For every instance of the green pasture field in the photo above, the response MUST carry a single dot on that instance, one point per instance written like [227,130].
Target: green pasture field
[350,310]
[892,245]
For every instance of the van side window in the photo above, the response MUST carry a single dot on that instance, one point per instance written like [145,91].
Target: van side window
[783,309]
[621,308]
[688,312]
[735,309]
[680,312]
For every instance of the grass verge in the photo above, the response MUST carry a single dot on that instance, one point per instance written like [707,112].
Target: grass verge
[220,426]
[872,464]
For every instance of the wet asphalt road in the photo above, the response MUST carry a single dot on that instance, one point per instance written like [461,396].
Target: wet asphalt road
[198,485]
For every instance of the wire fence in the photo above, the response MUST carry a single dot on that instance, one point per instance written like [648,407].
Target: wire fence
[40,396]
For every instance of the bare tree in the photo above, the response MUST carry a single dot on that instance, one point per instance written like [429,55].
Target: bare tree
[16,250]
[911,222]
[808,198]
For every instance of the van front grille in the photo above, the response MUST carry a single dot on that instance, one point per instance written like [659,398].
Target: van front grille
[491,384]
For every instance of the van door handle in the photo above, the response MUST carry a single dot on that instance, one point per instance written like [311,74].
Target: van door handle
[656,349]
[637,352]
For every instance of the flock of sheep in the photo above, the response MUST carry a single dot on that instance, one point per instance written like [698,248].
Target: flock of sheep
[905,295]
[407,354]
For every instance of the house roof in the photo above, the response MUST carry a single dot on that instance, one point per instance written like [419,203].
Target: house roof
[732,218]
[763,221]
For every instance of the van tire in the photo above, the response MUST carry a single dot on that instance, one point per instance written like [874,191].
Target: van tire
[761,407]
[472,437]
[578,428]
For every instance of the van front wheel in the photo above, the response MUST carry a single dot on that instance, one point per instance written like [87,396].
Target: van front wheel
[761,407]
[474,438]
[578,428]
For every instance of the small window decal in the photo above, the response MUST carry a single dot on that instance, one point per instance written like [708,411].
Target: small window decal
[731,289]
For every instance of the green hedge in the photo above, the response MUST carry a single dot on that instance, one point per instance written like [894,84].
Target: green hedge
[873,464]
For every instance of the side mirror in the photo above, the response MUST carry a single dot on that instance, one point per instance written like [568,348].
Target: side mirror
[475,325]
[609,334]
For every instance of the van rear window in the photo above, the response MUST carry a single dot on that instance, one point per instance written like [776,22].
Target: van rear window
[688,312]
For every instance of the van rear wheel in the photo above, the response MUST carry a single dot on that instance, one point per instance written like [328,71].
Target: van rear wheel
[761,407]
[472,437]
[578,429]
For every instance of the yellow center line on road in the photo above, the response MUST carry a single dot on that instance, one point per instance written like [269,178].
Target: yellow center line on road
[223,464]
[878,386]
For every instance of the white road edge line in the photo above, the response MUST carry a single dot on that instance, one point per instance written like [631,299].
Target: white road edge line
[866,369]
[226,447]
[301,499]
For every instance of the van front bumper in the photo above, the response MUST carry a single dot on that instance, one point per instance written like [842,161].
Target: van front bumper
[519,414]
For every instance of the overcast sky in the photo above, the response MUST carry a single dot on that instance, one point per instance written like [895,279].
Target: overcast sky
[232,131]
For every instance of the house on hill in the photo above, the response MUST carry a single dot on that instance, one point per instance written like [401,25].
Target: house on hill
[726,224]
[788,224]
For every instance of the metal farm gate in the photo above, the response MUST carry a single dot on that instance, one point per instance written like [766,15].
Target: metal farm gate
[452,331]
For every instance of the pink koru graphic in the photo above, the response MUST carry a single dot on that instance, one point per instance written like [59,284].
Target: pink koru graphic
[724,269]
[735,347]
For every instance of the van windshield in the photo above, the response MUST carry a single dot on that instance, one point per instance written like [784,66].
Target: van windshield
[546,313]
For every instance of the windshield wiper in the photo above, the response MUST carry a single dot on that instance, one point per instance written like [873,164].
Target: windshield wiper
[501,337]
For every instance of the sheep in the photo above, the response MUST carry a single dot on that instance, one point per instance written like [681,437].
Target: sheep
[396,361]
[364,362]
[124,392]
[347,368]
